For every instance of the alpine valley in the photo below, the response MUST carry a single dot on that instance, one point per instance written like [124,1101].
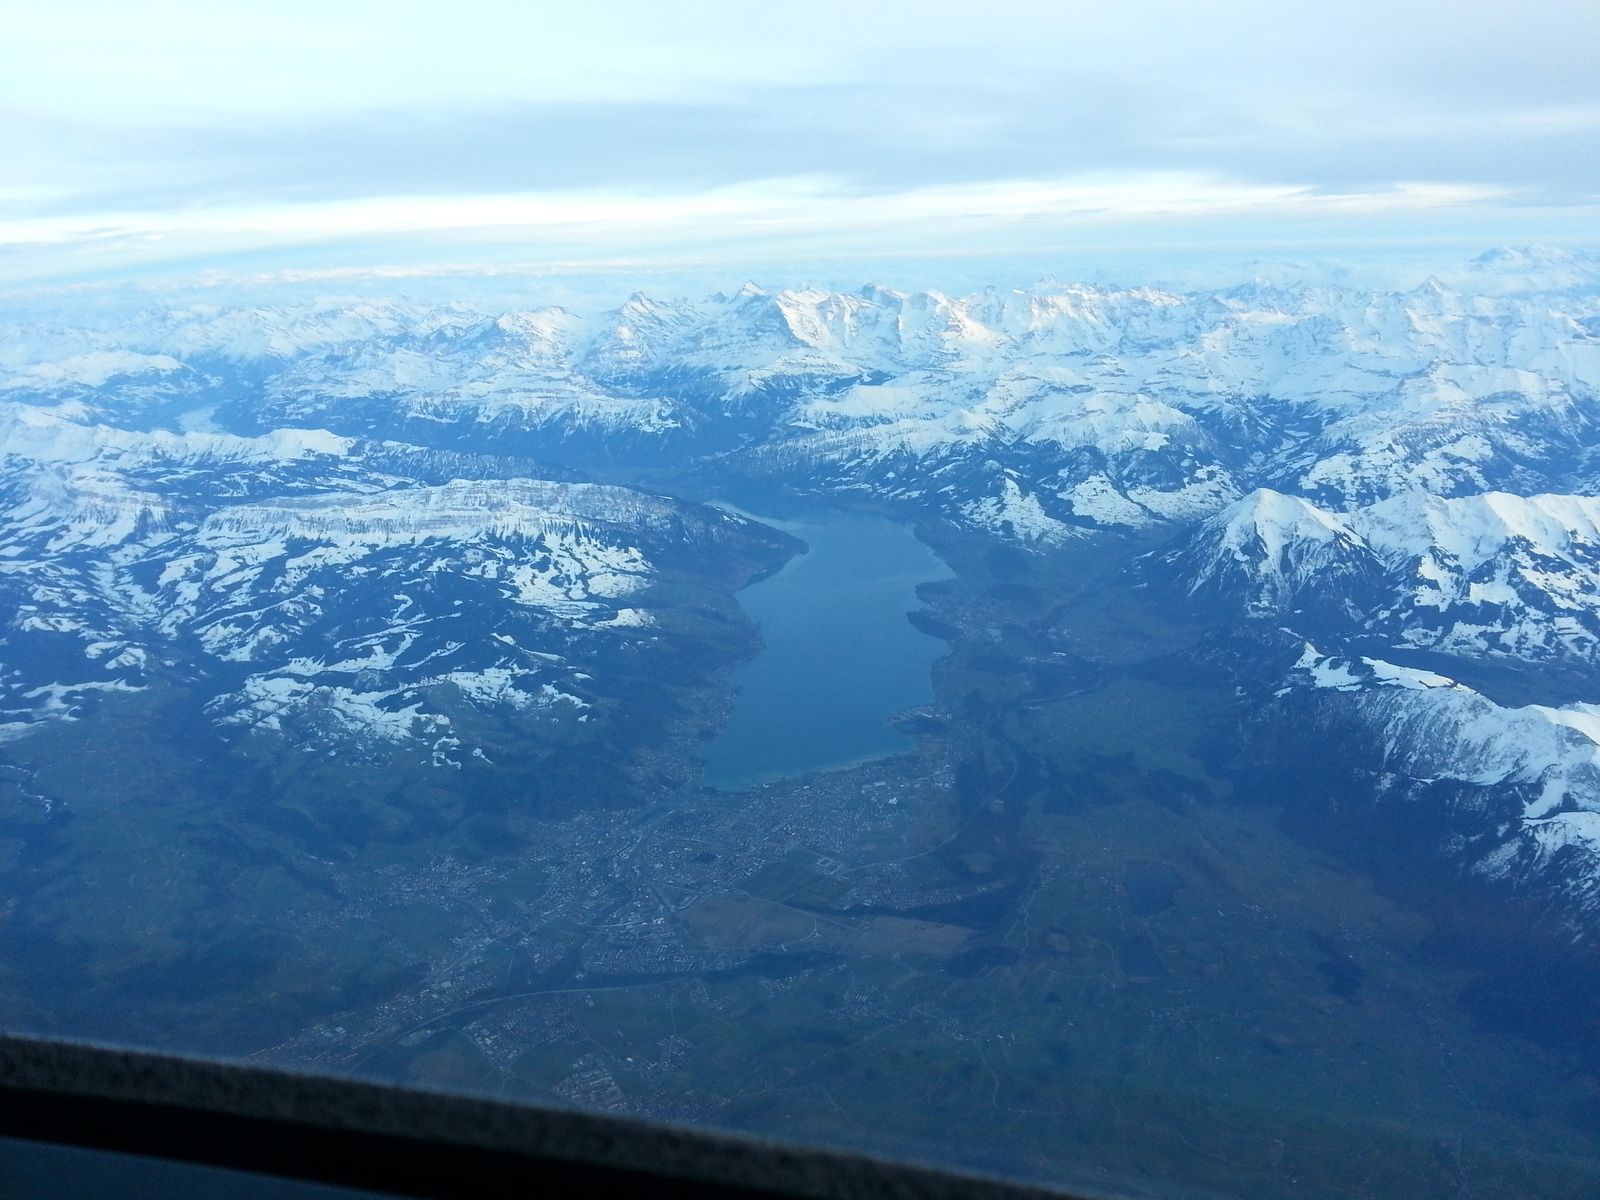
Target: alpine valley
[358,656]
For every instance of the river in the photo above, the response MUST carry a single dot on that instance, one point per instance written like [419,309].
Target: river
[841,658]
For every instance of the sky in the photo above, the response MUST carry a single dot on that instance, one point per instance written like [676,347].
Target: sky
[188,134]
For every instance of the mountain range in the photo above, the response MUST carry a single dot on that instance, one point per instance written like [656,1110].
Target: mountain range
[451,555]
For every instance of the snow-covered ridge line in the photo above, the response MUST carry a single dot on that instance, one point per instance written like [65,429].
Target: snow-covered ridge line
[1436,728]
[462,509]
[1474,530]
[1488,575]
[1273,532]
[69,434]
[1514,791]
[1040,411]
[93,369]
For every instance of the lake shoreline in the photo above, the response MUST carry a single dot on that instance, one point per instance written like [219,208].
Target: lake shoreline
[840,656]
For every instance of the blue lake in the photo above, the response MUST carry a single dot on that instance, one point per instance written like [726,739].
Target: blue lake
[841,658]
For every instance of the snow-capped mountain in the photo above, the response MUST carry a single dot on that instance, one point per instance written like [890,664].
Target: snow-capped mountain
[1509,795]
[306,591]
[1032,414]
[1486,576]
[1387,603]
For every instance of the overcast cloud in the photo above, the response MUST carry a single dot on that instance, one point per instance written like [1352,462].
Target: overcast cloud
[138,132]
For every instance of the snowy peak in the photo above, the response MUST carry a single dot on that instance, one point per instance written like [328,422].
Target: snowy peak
[1536,268]
[1268,554]
[1269,526]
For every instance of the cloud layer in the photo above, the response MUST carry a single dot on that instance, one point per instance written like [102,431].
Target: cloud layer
[178,128]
